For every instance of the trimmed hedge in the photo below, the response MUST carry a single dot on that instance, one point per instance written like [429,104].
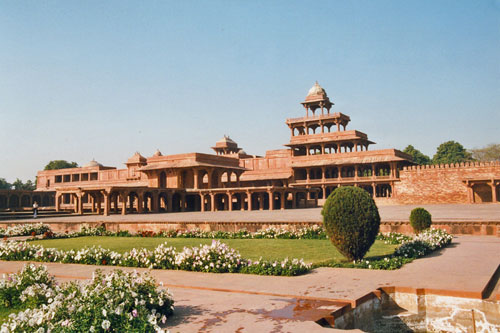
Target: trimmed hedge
[351,220]
[420,219]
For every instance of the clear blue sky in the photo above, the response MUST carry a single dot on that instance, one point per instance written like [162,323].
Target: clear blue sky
[103,79]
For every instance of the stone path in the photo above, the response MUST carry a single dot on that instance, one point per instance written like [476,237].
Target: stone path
[250,303]
[443,212]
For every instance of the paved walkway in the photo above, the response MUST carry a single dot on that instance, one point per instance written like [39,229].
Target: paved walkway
[448,212]
[250,303]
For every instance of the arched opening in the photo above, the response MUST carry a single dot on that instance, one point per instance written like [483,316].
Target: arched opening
[148,202]
[187,179]
[176,202]
[193,203]
[368,188]
[162,202]
[215,179]
[25,201]
[162,180]
[14,201]
[3,201]
[221,201]
[226,179]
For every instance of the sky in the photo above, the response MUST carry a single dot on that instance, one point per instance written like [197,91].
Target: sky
[103,79]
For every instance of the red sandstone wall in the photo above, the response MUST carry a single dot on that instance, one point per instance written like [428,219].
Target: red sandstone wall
[441,183]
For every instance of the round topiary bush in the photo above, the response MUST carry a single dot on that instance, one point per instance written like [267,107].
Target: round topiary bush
[351,220]
[420,219]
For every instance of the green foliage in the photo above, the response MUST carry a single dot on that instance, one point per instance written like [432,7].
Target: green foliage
[19,185]
[351,220]
[418,157]
[420,219]
[4,185]
[489,153]
[60,164]
[451,152]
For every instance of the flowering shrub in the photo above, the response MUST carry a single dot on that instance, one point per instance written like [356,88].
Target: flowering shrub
[286,267]
[115,302]
[393,238]
[24,230]
[313,232]
[215,258]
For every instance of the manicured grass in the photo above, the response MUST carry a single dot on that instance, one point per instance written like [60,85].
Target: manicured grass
[311,250]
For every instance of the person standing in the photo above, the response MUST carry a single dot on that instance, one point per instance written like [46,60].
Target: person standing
[35,209]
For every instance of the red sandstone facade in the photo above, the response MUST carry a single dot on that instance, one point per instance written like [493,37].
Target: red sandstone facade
[321,156]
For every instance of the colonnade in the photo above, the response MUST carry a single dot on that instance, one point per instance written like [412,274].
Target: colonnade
[141,200]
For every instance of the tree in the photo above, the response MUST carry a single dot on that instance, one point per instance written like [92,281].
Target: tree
[4,185]
[351,220]
[418,157]
[19,185]
[451,152]
[489,153]
[60,164]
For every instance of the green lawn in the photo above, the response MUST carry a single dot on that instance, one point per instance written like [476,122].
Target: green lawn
[311,250]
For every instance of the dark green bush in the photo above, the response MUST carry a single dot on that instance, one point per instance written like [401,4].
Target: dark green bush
[351,220]
[420,219]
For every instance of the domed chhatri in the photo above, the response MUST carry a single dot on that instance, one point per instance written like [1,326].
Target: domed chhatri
[157,153]
[317,99]
[226,146]
[92,163]
[316,90]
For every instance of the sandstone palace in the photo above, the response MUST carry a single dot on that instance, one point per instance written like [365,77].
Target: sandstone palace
[322,154]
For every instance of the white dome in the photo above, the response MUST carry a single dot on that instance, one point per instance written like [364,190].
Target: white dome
[92,163]
[316,90]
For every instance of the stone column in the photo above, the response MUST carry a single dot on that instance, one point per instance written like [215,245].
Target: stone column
[323,174]
[92,200]
[195,172]
[324,191]
[493,191]
[374,189]
[154,202]
[271,200]
[107,202]
[79,200]
[261,199]
[169,202]
[212,202]
[202,198]
[308,178]
[282,200]
[230,201]
[115,203]
[356,169]
[249,200]
[294,204]
[140,202]
[58,202]
[123,197]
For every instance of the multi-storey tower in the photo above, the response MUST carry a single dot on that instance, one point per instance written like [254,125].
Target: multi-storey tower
[325,155]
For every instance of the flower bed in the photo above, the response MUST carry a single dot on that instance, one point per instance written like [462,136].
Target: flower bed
[215,258]
[219,258]
[313,232]
[24,230]
[411,248]
[114,302]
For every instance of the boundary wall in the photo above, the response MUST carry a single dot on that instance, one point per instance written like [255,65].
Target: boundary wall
[472,182]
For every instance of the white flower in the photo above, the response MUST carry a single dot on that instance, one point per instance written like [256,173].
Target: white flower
[104,312]
[105,324]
